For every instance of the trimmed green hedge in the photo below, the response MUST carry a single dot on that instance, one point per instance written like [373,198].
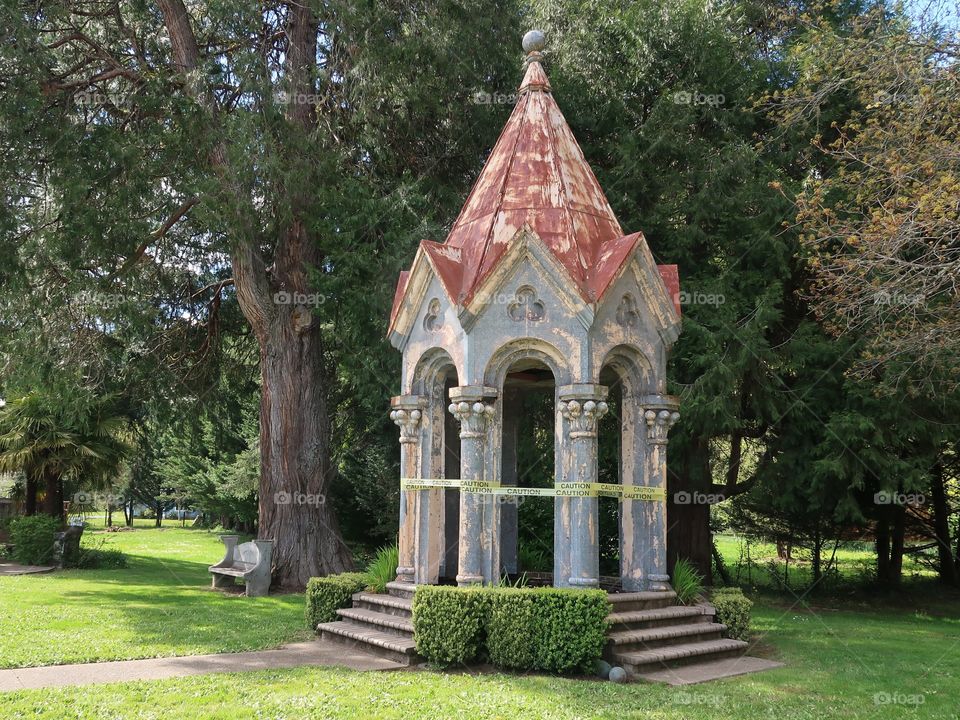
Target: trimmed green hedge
[733,610]
[326,595]
[32,539]
[448,622]
[552,629]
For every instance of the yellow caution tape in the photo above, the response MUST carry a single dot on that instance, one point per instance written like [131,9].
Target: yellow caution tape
[564,489]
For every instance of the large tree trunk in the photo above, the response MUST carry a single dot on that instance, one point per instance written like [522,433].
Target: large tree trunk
[295,455]
[883,545]
[688,524]
[941,526]
[53,494]
[30,494]
[897,544]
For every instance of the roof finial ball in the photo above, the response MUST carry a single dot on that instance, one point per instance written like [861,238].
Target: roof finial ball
[533,44]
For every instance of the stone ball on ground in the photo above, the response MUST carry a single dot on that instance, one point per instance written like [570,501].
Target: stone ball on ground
[618,675]
[602,669]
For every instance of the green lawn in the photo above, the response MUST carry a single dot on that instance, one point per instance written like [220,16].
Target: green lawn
[160,605]
[840,664]
[842,660]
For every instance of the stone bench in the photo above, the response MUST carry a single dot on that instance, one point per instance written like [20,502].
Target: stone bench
[248,561]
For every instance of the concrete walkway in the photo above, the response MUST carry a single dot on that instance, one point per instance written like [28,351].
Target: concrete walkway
[315,652]
[12,568]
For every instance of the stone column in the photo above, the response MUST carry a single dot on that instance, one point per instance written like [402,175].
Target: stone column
[577,524]
[659,414]
[476,541]
[406,413]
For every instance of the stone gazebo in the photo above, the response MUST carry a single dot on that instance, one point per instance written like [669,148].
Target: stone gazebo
[536,286]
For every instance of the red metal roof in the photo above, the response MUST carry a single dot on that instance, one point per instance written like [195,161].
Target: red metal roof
[536,175]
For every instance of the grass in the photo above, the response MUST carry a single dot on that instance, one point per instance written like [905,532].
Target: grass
[844,660]
[160,605]
[841,664]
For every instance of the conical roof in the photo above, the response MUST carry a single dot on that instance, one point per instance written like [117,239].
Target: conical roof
[537,176]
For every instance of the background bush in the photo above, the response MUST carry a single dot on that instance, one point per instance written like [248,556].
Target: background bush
[449,623]
[733,610]
[98,559]
[32,538]
[550,629]
[326,595]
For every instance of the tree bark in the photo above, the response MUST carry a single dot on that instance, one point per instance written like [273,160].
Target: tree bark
[53,494]
[30,494]
[883,546]
[688,525]
[897,544]
[941,525]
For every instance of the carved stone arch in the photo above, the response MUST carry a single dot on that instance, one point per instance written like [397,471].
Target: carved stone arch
[525,349]
[432,367]
[632,367]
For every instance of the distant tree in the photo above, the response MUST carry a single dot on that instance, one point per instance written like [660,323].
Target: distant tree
[879,212]
[54,438]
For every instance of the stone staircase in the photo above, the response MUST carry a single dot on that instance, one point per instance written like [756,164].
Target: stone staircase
[380,624]
[649,631]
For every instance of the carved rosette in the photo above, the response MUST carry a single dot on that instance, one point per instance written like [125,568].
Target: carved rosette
[583,416]
[474,418]
[659,421]
[409,423]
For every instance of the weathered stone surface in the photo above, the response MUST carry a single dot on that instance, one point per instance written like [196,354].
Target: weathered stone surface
[249,562]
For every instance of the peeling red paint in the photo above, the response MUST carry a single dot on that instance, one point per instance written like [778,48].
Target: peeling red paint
[537,176]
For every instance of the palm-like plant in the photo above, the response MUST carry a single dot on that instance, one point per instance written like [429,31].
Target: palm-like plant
[52,440]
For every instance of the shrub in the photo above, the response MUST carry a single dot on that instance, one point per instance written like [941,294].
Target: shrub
[383,568]
[570,628]
[326,595]
[510,629]
[97,559]
[551,629]
[687,582]
[733,610]
[449,623]
[32,539]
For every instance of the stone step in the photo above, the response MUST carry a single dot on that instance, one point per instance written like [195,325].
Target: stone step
[401,589]
[658,617]
[640,661]
[388,604]
[384,622]
[649,600]
[383,644]
[623,641]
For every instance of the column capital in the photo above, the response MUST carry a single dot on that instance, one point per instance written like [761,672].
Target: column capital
[582,405]
[474,417]
[659,419]
[406,413]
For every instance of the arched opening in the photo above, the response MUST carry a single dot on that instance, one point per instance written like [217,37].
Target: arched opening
[528,460]
[621,452]
[437,527]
